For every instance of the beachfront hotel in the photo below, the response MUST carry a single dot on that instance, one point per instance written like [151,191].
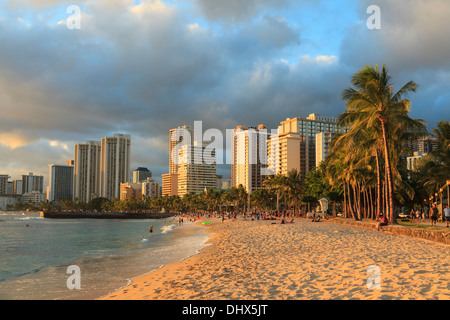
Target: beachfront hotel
[249,157]
[4,183]
[86,173]
[114,164]
[32,183]
[294,144]
[60,182]
[195,177]
[188,170]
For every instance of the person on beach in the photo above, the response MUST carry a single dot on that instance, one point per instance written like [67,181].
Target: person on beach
[383,222]
[418,215]
[434,215]
[447,215]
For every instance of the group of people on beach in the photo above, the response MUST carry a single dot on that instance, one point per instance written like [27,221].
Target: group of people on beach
[434,214]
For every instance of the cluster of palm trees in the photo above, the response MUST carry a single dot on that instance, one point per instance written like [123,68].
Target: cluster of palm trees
[367,160]
[433,170]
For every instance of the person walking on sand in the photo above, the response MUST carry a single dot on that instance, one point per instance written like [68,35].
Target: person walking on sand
[447,215]
[434,215]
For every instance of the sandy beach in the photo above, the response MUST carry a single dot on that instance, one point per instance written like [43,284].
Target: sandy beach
[258,260]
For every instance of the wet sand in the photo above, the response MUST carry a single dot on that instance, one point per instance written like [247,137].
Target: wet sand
[257,260]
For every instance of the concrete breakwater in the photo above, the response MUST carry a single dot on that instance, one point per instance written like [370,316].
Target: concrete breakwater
[106,215]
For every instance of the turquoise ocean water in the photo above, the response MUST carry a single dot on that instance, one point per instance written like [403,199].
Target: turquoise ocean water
[36,253]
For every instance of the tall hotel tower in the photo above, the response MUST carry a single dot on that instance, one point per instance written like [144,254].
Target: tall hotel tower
[249,157]
[294,146]
[114,164]
[60,182]
[86,171]
[188,170]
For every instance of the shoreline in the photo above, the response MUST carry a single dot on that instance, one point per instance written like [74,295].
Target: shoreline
[255,260]
[137,277]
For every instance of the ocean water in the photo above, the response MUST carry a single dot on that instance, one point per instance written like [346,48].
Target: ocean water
[36,254]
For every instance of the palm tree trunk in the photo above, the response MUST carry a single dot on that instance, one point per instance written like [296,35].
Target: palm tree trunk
[378,184]
[350,204]
[388,173]
[278,201]
[345,202]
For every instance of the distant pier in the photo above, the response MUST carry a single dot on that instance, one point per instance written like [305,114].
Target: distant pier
[106,215]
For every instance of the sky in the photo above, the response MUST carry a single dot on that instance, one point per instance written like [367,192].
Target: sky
[145,67]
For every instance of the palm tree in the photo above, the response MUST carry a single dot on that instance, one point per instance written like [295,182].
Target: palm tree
[373,104]
[276,184]
[294,183]
[435,169]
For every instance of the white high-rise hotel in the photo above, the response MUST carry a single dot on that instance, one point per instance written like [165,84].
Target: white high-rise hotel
[191,170]
[114,164]
[249,157]
[100,167]
[86,174]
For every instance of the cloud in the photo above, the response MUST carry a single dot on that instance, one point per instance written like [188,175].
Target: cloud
[412,35]
[236,10]
[13,140]
[146,67]
[413,42]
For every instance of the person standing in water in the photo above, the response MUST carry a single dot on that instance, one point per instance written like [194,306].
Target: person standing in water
[150,229]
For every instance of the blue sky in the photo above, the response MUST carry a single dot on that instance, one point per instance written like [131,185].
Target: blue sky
[144,67]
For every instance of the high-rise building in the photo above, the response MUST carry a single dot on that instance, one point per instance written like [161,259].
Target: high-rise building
[60,182]
[189,170]
[195,176]
[141,175]
[294,145]
[179,137]
[17,187]
[323,145]
[249,157]
[32,183]
[4,183]
[423,144]
[114,164]
[86,172]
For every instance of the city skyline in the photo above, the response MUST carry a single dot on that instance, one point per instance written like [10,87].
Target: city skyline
[271,59]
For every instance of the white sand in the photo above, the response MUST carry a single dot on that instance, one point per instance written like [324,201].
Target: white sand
[304,260]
